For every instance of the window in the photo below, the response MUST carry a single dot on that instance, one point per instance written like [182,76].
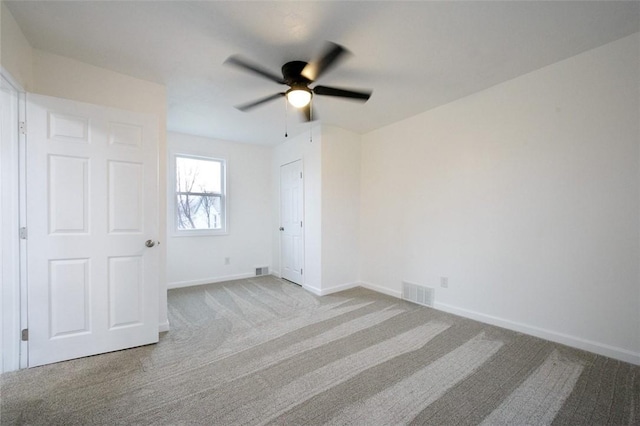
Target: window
[200,195]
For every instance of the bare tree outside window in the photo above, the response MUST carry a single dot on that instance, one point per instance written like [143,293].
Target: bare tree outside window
[211,206]
[199,193]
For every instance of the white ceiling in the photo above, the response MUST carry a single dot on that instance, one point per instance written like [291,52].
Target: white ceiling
[414,55]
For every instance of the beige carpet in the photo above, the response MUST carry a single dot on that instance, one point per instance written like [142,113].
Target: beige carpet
[264,351]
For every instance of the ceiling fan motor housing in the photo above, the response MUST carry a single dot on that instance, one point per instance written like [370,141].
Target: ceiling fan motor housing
[292,74]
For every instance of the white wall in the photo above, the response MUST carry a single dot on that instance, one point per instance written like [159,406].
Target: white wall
[63,77]
[15,51]
[300,148]
[201,259]
[340,208]
[526,196]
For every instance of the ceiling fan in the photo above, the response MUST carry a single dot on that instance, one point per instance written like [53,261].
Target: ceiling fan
[298,75]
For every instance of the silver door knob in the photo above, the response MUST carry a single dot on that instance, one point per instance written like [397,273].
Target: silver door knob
[150,243]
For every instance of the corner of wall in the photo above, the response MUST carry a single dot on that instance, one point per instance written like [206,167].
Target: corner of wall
[340,212]
[16,55]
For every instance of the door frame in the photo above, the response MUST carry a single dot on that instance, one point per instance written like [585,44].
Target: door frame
[13,258]
[304,222]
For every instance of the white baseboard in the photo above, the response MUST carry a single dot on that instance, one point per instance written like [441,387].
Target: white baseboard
[565,339]
[313,290]
[383,290]
[163,326]
[276,274]
[337,288]
[330,290]
[180,284]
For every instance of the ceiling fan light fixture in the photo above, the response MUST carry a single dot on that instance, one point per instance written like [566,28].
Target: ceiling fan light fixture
[299,96]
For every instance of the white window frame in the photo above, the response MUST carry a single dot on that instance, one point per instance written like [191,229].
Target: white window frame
[224,229]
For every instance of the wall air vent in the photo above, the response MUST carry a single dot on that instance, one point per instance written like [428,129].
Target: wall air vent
[264,270]
[418,294]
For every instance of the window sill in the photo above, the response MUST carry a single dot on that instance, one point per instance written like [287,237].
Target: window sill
[198,233]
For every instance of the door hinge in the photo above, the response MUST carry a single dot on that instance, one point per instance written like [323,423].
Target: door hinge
[25,335]
[23,128]
[300,175]
[23,233]
[300,224]
[300,271]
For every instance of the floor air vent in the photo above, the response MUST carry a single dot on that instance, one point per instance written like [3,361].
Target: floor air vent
[417,294]
[262,271]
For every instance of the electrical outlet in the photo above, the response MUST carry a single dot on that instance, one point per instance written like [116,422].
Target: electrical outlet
[227,261]
[444,282]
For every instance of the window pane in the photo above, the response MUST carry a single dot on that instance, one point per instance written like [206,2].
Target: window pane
[199,212]
[197,175]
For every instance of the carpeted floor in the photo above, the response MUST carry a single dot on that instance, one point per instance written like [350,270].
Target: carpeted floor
[262,351]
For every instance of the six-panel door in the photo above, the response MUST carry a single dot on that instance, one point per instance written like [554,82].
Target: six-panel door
[291,214]
[91,205]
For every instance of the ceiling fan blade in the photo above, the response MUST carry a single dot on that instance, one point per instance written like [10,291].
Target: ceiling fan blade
[257,69]
[343,93]
[250,105]
[332,54]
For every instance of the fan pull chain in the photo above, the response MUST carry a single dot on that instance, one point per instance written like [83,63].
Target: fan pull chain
[286,114]
[310,122]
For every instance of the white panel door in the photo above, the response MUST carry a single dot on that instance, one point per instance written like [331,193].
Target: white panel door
[291,225]
[92,188]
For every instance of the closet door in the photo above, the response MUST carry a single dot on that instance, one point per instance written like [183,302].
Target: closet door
[291,225]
